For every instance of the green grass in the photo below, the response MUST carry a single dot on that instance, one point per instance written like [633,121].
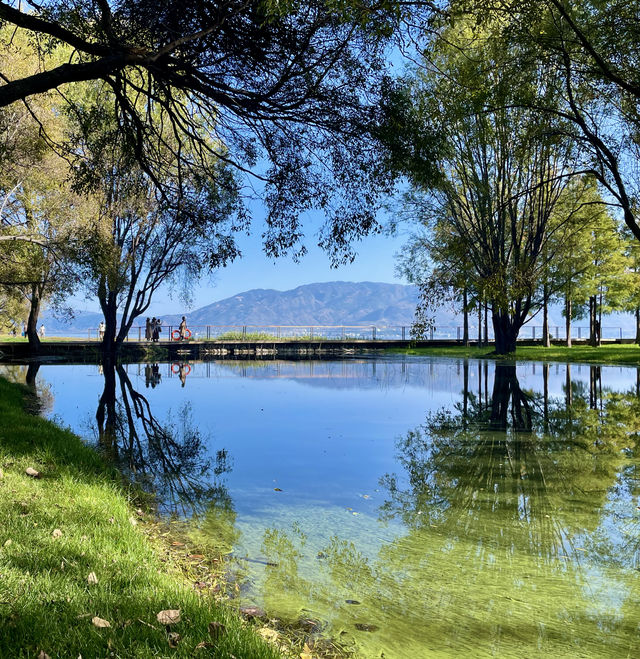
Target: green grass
[605,354]
[263,336]
[46,601]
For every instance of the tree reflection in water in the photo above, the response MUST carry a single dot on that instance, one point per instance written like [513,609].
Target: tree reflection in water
[520,532]
[168,458]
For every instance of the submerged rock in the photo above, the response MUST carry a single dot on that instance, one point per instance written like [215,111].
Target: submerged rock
[252,612]
[365,627]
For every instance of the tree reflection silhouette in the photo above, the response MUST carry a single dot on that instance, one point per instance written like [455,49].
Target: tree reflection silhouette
[519,533]
[168,458]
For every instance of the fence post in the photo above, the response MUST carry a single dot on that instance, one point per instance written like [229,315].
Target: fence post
[343,332]
[139,334]
[620,333]
[244,332]
[458,332]
[311,332]
[431,334]
[373,333]
[534,332]
[403,334]
[579,332]
[557,332]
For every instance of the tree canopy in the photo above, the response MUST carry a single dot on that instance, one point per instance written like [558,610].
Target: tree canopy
[283,90]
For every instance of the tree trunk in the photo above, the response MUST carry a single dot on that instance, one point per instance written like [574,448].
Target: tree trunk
[506,333]
[593,319]
[479,324]
[465,324]
[568,310]
[545,317]
[599,325]
[638,325]
[106,414]
[108,304]
[486,325]
[32,322]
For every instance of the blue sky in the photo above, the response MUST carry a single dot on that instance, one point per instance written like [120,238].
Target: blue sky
[375,261]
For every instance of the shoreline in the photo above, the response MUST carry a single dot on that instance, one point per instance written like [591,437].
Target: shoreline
[79,574]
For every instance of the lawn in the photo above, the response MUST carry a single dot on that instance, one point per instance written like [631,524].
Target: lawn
[605,354]
[73,559]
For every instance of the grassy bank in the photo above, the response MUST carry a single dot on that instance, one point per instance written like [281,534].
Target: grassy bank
[71,551]
[605,354]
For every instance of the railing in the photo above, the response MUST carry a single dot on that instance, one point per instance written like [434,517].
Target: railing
[355,332]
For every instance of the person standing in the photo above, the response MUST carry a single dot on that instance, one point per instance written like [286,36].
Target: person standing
[156,329]
[183,329]
[101,328]
[42,331]
[148,331]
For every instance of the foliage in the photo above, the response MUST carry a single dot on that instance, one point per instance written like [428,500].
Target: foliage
[502,173]
[589,50]
[285,91]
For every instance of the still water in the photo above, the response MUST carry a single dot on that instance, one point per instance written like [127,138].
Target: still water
[413,507]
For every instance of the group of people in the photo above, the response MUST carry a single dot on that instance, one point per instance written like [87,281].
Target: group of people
[152,376]
[23,333]
[152,330]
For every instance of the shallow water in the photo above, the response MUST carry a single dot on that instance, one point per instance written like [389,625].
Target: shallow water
[414,507]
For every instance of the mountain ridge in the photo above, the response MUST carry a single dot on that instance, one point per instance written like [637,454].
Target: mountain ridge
[326,303]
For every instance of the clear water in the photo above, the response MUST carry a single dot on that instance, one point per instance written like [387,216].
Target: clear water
[415,507]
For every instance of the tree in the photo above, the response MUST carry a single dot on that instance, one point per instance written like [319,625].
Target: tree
[39,215]
[139,239]
[436,262]
[570,273]
[285,91]
[590,49]
[630,282]
[501,172]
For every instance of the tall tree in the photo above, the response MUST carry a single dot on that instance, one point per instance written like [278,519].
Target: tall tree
[500,172]
[589,48]
[39,214]
[141,237]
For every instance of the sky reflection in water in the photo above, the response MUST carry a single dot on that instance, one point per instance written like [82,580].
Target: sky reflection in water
[502,521]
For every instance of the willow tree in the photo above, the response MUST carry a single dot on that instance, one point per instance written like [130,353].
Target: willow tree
[144,234]
[499,172]
[284,91]
[590,49]
[39,214]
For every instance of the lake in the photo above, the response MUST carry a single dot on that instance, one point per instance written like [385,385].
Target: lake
[409,507]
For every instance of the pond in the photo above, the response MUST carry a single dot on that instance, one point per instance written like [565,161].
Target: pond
[410,507]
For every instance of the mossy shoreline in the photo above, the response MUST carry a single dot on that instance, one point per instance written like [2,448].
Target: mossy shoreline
[71,550]
[622,354]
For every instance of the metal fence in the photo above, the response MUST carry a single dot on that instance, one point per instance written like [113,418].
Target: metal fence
[354,332]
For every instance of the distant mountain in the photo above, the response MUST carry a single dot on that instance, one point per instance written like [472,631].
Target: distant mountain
[333,303]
